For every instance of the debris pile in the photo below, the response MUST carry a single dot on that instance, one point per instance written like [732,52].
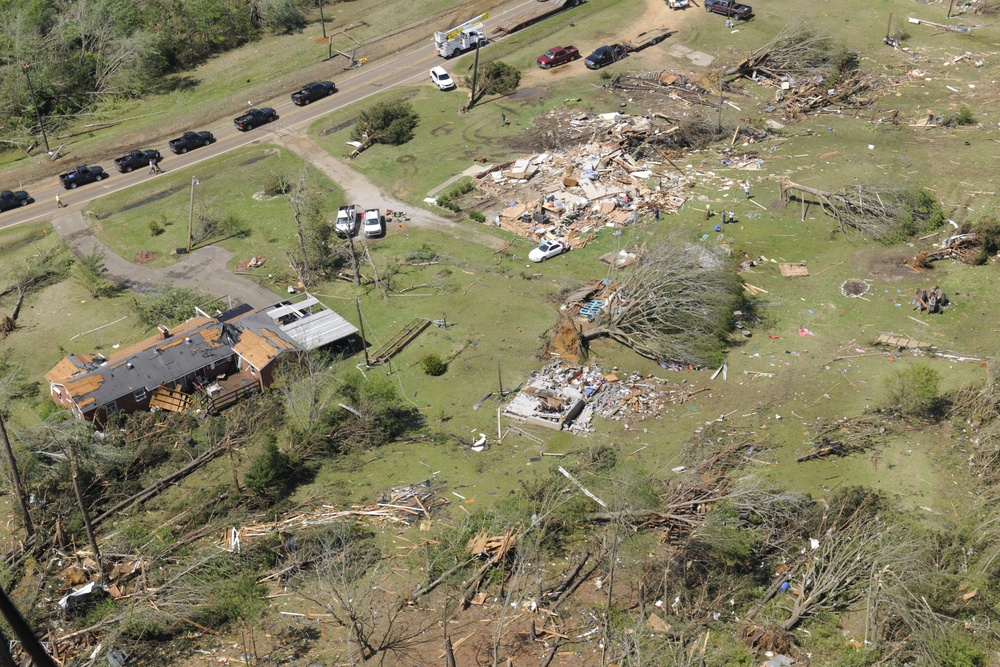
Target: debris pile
[491,547]
[584,304]
[850,93]
[603,183]
[397,505]
[677,87]
[563,397]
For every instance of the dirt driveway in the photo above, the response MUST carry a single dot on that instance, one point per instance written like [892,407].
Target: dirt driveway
[362,191]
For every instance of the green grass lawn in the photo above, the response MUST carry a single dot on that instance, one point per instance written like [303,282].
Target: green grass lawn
[55,320]
[228,185]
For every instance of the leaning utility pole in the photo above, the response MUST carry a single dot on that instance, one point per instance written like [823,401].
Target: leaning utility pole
[24,68]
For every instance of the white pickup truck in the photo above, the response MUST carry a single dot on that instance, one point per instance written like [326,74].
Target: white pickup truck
[373,225]
[347,221]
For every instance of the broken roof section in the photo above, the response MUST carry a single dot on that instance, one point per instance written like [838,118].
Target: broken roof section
[95,380]
[308,322]
[175,355]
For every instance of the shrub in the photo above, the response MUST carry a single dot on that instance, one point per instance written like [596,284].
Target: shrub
[233,599]
[954,649]
[476,216]
[914,392]
[964,116]
[434,365]
[155,228]
[270,474]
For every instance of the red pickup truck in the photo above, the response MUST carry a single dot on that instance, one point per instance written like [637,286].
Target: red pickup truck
[557,55]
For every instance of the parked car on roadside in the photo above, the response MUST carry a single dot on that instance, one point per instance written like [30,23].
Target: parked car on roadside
[81,176]
[548,250]
[14,199]
[441,78]
[136,159]
[557,55]
[311,92]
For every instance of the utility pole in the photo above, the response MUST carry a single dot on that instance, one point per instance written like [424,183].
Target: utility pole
[322,20]
[194,182]
[720,106]
[361,325]
[475,77]
[24,68]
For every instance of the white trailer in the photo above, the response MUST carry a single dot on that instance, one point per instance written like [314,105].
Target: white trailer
[461,38]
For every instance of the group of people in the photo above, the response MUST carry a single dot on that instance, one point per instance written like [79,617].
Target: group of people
[932,300]
[154,166]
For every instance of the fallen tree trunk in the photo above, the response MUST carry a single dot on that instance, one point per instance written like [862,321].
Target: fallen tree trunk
[158,486]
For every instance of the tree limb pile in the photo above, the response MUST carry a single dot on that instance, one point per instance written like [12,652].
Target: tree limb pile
[849,435]
[797,51]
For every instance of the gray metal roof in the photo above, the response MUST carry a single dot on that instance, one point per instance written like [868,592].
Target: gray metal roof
[307,321]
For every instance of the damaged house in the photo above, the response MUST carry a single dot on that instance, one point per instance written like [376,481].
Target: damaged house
[216,360]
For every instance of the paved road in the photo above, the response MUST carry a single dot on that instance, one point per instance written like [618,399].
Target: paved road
[207,266]
[375,77]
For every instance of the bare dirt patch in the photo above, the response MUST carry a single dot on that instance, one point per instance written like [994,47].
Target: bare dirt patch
[656,15]
[143,257]
[887,265]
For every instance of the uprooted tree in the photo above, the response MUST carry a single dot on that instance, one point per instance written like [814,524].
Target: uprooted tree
[887,212]
[675,305]
[385,123]
[496,78]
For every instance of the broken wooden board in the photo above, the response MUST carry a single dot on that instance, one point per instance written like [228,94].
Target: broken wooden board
[902,342]
[793,269]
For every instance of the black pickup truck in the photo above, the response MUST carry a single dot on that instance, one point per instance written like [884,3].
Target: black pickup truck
[316,90]
[136,159]
[16,199]
[255,118]
[605,55]
[191,140]
[729,8]
[82,176]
